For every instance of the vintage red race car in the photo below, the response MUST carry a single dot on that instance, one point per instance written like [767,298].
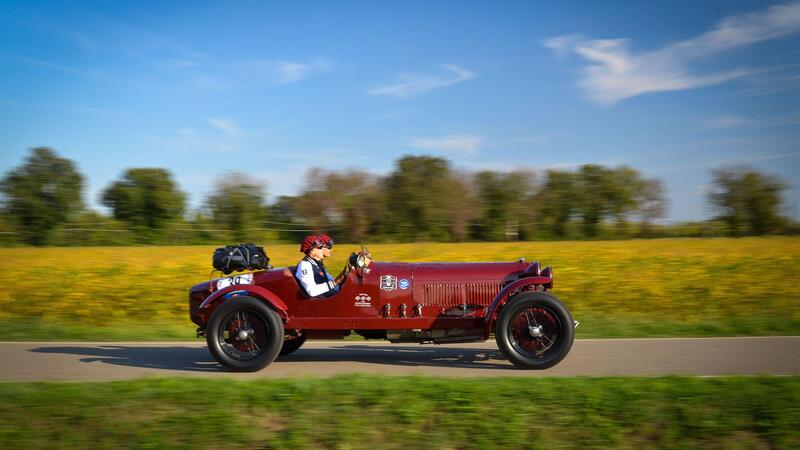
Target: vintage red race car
[250,319]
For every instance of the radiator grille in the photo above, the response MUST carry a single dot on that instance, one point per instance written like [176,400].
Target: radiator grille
[446,294]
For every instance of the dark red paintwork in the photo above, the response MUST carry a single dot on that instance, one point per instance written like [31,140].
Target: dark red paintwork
[438,296]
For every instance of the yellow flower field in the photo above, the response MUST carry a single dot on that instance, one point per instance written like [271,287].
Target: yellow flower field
[669,281]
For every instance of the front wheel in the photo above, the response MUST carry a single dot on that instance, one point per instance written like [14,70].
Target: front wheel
[244,334]
[535,330]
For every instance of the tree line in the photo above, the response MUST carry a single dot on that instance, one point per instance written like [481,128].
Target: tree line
[422,199]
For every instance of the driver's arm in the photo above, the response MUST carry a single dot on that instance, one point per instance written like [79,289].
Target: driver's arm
[305,273]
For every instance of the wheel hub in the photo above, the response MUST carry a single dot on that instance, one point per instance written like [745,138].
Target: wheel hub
[243,334]
[535,331]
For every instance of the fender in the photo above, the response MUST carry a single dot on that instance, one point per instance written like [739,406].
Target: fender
[266,295]
[502,297]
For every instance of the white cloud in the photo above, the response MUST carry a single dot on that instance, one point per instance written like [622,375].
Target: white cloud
[409,84]
[283,72]
[615,72]
[227,126]
[256,73]
[190,139]
[174,64]
[36,62]
[464,144]
[787,120]
[728,122]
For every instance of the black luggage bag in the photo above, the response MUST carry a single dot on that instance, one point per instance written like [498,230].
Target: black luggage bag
[240,257]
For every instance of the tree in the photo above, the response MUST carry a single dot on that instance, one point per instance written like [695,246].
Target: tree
[652,203]
[505,199]
[348,204]
[417,194]
[557,201]
[596,190]
[146,198]
[747,200]
[41,194]
[237,204]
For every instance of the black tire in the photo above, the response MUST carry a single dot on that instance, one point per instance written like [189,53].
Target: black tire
[261,325]
[534,330]
[291,345]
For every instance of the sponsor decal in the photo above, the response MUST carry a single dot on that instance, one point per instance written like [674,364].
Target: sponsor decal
[403,284]
[305,271]
[363,299]
[388,282]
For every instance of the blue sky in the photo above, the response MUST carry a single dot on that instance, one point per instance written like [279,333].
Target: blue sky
[272,89]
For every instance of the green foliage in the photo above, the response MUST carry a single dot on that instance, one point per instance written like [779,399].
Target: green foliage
[237,204]
[146,198]
[356,411]
[41,194]
[422,199]
[556,202]
[505,200]
[349,202]
[747,200]
[417,196]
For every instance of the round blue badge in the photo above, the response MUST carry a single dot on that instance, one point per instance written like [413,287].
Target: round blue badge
[403,284]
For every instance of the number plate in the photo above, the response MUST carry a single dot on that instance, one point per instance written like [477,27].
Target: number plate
[246,278]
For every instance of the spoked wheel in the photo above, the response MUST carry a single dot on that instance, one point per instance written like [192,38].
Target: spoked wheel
[535,330]
[244,334]
[291,345]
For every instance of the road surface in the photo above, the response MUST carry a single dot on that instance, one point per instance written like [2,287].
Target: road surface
[40,361]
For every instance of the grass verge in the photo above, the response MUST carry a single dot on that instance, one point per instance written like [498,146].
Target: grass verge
[405,412]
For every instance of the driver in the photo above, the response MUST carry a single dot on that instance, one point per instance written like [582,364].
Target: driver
[311,271]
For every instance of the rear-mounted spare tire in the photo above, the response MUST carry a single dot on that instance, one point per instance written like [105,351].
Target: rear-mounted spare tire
[534,330]
[244,334]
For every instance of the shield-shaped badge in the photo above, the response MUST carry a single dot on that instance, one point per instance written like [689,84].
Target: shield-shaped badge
[388,282]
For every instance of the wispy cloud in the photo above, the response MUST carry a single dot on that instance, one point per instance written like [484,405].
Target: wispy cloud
[460,144]
[285,72]
[716,123]
[221,135]
[51,65]
[256,73]
[173,64]
[409,84]
[227,126]
[615,72]
[725,122]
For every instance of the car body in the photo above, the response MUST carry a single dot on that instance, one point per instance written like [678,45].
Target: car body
[401,302]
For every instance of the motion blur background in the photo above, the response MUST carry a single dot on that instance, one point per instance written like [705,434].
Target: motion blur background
[195,123]
[486,129]
[648,151]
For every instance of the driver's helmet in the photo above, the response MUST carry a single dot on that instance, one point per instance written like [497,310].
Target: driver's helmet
[327,239]
[315,240]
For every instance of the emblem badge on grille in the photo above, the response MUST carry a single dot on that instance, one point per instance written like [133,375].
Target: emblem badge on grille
[388,282]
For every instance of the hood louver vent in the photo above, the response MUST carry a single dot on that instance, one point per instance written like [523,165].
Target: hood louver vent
[446,295]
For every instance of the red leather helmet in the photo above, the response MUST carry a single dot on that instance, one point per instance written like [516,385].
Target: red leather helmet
[327,240]
[310,242]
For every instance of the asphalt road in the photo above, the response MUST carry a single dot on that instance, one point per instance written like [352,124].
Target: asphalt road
[40,361]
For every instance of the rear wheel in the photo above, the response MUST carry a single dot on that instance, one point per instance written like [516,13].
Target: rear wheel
[244,334]
[535,330]
[291,345]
